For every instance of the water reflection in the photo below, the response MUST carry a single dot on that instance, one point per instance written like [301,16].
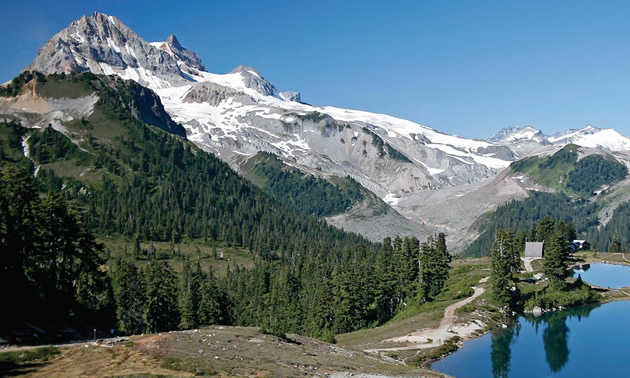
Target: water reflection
[555,338]
[500,351]
[578,270]
[555,334]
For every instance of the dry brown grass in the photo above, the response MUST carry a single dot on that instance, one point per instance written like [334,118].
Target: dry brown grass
[97,361]
[221,351]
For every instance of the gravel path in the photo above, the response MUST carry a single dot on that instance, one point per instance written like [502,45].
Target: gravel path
[432,337]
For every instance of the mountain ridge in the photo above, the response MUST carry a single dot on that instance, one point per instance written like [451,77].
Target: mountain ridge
[527,139]
[239,114]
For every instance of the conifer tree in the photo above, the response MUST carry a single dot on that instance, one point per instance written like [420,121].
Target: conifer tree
[615,246]
[502,265]
[161,310]
[384,287]
[213,302]
[555,259]
[190,296]
[434,266]
[129,295]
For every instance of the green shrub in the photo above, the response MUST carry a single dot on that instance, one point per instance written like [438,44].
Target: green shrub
[572,296]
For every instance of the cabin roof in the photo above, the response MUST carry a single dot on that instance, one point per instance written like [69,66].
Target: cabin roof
[534,249]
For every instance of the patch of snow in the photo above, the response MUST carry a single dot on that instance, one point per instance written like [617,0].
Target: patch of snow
[391,199]
[288,146]
[484,160]
[154,82]
[265,113]
[111,44]
[107,69]
[432,171]
[130,51]
[77,37]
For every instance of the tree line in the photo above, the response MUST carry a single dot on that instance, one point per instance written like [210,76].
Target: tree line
[58,274]
[313,294]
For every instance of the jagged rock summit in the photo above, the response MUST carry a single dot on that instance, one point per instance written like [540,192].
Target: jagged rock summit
[180,53]
[103,45]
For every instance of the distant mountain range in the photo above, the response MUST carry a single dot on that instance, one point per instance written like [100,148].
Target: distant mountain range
[524,140]
[435,181]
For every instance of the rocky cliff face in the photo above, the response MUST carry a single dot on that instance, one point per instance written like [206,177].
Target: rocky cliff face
[180,53]
[104,45]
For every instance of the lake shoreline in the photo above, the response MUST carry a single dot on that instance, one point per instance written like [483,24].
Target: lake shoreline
[547,344]
[607,295]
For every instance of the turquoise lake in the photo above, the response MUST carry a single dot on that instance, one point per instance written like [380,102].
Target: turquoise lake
[588,341]
[605,275]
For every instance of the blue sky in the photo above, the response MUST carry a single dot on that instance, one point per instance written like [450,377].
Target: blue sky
[468,68]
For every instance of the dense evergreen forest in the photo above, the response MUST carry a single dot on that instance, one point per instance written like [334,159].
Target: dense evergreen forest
[615,235]
[304,192]
[58,276]
[51,266]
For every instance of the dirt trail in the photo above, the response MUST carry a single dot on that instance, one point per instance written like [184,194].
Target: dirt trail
[431,337]
[528,263]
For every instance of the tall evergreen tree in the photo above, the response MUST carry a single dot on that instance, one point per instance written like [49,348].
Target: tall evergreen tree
[434,266]
[129,294]
[213,304]
[161,310]
[501,259]
[50,261]
[190,296]
[555,259]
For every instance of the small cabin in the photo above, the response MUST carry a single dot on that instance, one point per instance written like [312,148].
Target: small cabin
[534,249]
[579,245]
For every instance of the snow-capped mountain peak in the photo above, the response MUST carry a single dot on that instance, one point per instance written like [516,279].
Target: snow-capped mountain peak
[591,136]
[516,133]
[527,139]
[102,44]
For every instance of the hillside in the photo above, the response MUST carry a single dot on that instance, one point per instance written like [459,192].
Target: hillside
[306,193]
[108,158]
[210,351]
[572,171]
[136,181]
